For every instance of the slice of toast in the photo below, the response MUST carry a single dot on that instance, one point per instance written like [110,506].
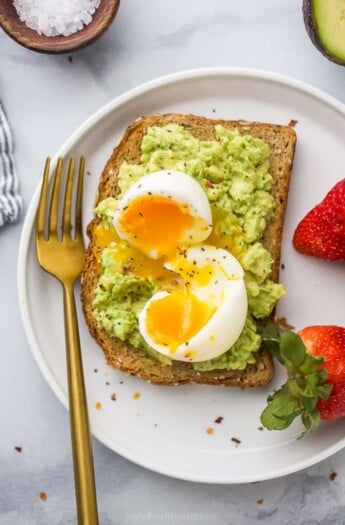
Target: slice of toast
[130,360]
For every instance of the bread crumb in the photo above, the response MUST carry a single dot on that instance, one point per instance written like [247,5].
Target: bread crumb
[136,395]
[260,501]
[292,123]
[113,396]
[43,496]
[332,476]
[98,405]
[18,449]
[218,420]
[210,430]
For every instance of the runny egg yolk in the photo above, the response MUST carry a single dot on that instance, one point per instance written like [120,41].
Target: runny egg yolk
[156,223]
[191,272]
[176,318]
[133,261]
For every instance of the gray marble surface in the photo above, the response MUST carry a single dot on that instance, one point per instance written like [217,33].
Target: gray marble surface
[47,97]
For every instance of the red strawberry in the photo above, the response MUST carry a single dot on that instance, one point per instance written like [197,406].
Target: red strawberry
[322,231]
[329,342]
[315,388]
[334,407]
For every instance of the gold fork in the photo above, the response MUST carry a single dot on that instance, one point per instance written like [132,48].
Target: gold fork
[60,252]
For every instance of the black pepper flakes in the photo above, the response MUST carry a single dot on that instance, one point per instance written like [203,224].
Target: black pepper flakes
[218,420]
[235,440]
[18,449]
[332,476]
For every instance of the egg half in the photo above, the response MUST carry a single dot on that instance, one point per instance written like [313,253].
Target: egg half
[204,319]
[161,211]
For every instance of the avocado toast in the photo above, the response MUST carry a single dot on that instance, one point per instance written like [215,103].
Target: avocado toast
[275,151]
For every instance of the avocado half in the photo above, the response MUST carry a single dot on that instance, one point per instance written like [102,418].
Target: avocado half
[325,24]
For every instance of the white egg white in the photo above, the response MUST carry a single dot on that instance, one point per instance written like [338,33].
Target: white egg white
[180,188]
[226,291]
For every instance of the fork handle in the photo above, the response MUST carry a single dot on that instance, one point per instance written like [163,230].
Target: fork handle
[84,476]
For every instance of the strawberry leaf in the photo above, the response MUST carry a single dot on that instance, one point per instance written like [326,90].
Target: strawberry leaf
[305,384]
[280,411]
[324,391]
[292,349]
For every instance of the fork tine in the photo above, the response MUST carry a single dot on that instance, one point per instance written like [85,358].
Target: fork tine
[67,205]
[54,205]
[42,205]
[78,225]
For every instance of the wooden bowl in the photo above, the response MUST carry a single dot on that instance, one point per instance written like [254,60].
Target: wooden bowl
[11,24]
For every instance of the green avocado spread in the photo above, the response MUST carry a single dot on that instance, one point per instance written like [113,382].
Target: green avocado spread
[233,170]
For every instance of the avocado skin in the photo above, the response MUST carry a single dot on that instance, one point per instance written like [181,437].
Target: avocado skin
[312,30]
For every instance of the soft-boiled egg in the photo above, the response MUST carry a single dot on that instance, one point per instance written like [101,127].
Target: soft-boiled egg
[163,210]
[204,319]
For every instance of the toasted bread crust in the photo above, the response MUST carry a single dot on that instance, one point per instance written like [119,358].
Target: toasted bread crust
[123,356]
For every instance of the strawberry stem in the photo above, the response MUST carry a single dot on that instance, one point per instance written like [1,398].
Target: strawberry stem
[305,385]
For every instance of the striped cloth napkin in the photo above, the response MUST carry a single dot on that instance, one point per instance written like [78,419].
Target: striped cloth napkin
[10,200]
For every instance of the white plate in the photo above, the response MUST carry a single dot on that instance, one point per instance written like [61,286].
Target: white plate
[165,429]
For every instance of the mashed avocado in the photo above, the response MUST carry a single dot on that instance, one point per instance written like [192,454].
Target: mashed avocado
[234,172]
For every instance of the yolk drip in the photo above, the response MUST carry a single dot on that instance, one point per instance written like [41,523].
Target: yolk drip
[156,223]
[133,261]
[176,318]
[191,272]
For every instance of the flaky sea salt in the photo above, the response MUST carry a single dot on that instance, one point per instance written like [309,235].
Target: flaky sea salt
[53,18]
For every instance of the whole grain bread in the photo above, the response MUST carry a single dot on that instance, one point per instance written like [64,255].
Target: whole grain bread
[130,360]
